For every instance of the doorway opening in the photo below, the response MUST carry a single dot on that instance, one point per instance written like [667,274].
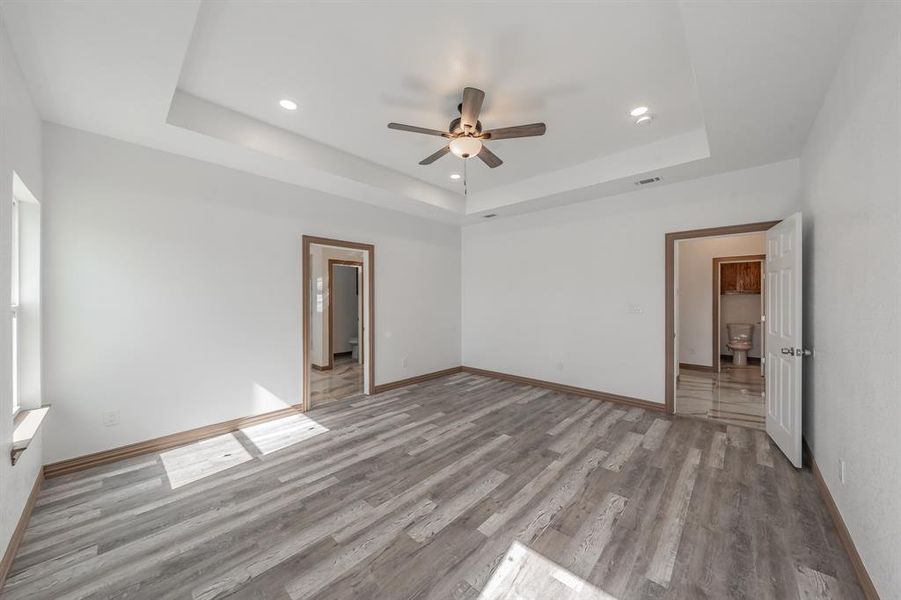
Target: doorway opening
[781,335]
[338,338]
[719,328]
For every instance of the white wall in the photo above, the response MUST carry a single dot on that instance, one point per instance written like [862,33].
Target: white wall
[20,152]
[851,168]
[173,290]
[694,279]
[549,294]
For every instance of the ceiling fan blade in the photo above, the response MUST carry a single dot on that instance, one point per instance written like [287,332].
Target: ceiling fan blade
[530,130]
[414,129]
[432,158]
[489,158]
[472,106]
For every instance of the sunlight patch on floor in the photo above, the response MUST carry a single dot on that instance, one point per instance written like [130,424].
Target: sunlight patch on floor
[281,433]
[193,462]
[523,574]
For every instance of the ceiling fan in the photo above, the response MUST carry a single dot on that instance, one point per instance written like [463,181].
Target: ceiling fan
[466,135]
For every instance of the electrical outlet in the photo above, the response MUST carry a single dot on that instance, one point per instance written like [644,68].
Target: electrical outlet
[111,418]
[403,363]
[560,365]
[691,351]
[841,470]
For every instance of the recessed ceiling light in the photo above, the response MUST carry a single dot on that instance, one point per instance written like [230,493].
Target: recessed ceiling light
[638,111]
[287,104]
[455,176]
[643,120]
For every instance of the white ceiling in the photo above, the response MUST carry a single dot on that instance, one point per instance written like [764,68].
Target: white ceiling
[731,85]
[581,74]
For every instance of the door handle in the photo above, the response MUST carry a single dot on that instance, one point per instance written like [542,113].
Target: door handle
[799,352]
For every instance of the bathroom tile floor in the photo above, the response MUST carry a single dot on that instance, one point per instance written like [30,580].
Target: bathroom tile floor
[344,379]
[734,396]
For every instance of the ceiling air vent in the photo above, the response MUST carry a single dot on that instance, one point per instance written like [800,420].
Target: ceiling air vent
[647,181]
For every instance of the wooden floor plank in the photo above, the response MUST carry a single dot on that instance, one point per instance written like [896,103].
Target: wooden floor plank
[439,519]
[591,539]
[623,451]
[654,436]
[421,492]
[661,568]
[369,542]
[717,455]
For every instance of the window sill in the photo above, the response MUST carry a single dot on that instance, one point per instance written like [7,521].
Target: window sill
[25,427]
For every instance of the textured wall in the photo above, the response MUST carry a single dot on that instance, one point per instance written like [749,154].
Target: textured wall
[851,173]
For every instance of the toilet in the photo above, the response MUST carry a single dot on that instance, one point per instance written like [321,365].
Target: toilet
[740,335]
[354,348]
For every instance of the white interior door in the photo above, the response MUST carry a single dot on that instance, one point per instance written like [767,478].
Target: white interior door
[784,352]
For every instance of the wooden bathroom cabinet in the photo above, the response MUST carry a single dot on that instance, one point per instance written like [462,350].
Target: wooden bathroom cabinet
[740,278]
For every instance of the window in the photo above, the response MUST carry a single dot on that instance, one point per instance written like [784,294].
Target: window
[24,298]
[14,302]
[24,315]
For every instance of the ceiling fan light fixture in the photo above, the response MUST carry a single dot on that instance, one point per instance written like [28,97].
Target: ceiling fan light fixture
[465,147]
[465,133]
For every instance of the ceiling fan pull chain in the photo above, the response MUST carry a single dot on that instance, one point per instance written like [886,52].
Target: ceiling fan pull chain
[465,181]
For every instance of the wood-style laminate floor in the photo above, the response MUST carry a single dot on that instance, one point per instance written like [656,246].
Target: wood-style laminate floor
[734,396]
[460,487]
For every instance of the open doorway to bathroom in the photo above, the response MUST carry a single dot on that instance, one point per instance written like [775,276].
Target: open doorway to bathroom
[738,310]
[719,333]
[344,305]
[337,335]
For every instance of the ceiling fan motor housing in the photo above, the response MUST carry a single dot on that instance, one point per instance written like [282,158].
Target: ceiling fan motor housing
[456,128]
